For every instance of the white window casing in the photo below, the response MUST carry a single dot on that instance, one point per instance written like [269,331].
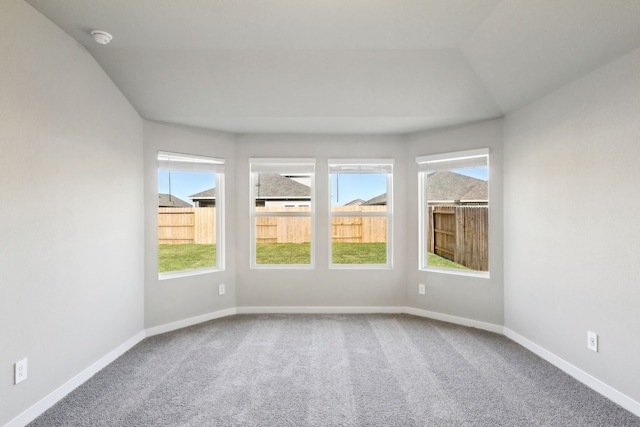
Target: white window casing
[282,166]
[444,162]
[364,166]
[181,162]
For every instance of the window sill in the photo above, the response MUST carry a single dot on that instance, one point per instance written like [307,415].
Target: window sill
[282,267]
[360,267]
[186,273]
[454,272]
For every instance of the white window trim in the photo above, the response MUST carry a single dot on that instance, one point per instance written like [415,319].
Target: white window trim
[423,202]
[190,162]
[388,214]
[457,155]
[185,273]
[279,165]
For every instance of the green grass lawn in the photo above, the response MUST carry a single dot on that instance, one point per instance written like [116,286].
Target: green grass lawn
[437,261]
[185,257]
[283,253]
[192,256]
[359,253]
[300,253]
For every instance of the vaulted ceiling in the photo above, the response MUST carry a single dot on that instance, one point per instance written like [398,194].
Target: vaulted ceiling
[344,66]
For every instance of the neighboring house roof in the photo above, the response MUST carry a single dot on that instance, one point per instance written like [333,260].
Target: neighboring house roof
[209,194]
[275,186]
[272,186]
[443,186]
[356,202]
[377,201]
[169,201]
[446,186]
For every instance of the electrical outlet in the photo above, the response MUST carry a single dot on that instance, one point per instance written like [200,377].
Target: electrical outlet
[221,289]
[592,341]
[20,370]
[421,289]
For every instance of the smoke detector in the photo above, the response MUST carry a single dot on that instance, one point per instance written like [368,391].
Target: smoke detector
[101,37]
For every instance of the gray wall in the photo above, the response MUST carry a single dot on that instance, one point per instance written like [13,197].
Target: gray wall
[171,300]
[79,258]
[572,235]
[474,298]
[320,287]
[71,222]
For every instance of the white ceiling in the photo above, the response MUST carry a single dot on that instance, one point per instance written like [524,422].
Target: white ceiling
[357,66]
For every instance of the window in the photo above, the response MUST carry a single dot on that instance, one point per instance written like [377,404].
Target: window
[190,214]
[361,200]
[282,213]
[454,212]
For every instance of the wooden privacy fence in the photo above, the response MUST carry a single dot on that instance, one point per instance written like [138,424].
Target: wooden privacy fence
[359,229]
[283,229]
[348,229]
[197,225]
[186,225]
[460,234]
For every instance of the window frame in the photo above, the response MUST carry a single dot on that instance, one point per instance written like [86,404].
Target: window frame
[387,214]
[198,163]
[453,159]
[280,165]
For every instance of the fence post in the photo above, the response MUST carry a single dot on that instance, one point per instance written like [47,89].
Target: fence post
[431,236]
[460,248]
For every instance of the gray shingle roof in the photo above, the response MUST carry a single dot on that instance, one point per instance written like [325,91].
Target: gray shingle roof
[378,200]
[210,193]
[272,186]
[442,186]
[275,186]
[451,186]
[356,202]
[167,201]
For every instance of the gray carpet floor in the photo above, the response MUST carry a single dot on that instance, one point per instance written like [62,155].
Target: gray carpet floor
[332,370]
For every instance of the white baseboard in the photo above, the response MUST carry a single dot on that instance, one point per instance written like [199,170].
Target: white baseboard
[52,398]
[168,327]
[607,391]
[364,310]
[319,310]
[491,327]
